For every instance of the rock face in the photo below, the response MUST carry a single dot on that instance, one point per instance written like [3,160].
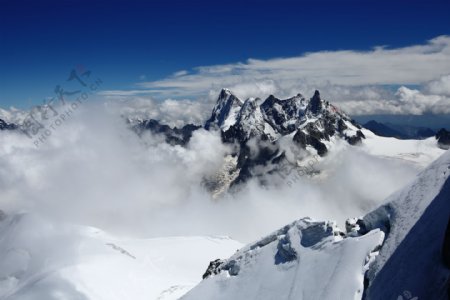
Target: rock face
[173,136]
[7,126]
[443,138]
[225,111]
[312,124]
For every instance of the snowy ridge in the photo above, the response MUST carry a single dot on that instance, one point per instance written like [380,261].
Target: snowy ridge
[415,220]
[303,260]
[314,260]
[225,111]
[274,118]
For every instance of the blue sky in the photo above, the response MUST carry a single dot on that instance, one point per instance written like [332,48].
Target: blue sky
[122,41]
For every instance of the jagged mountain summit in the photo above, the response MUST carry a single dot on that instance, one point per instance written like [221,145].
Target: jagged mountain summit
[7,126]
[313,125]
[401,249]
[314,120]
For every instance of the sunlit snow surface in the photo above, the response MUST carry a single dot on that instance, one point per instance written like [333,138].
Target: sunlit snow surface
[332,267]
[313,264]
[75,176]
[41,260]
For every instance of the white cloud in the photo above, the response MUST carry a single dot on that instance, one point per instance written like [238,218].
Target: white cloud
[404,101]
[95,171]
[440,86]
[169,111]
[359,81]
[409,65]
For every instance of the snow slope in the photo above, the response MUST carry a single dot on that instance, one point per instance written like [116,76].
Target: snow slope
[304,260]
[313,260]
[418,152]
[41,260]
[411,258]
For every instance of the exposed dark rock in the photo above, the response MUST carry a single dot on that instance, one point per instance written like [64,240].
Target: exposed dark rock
[213,268]
[313,130]
[329,127]
[443,138]
[218,265]
[277,112]
[341,126]
[446,246]
[247,161]
[355,139]
[173,136]
[315,233]
[7,126]
[285,252]
[232,267]
[318,145]
[315,104]
[303,139]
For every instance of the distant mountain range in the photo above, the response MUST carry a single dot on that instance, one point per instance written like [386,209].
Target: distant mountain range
[399,131]
[313,125]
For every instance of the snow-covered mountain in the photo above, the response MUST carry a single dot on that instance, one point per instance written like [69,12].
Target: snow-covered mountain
[312,120]
[399,250]
[260,129]
[257,127]
[94,169]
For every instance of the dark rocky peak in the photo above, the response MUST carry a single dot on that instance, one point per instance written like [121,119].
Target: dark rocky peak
[248,109]
[283,115]
[443,138]
[173,136]
[227,106]
[315,105]
[7,126]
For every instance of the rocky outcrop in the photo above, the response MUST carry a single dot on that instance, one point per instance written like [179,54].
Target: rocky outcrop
[443,138]
[173,136]
[225,111]
[7,126]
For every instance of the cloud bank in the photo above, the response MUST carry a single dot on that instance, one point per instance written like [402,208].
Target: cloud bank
[408,80]
[95,171]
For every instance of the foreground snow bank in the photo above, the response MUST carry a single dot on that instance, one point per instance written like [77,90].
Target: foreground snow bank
[415,220]
[303,260]
[41,260]
[313,260]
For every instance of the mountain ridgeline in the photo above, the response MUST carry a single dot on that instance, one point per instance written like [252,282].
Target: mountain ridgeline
[312,124]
